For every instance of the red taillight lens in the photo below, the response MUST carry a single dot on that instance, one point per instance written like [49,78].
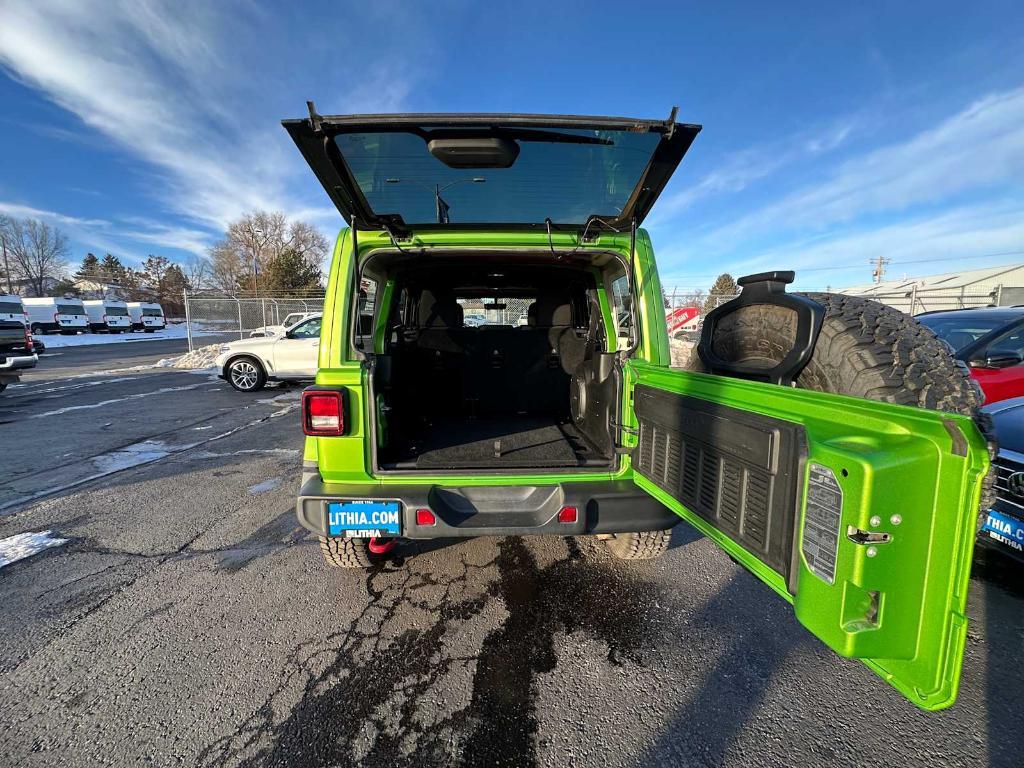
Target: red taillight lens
[425,517]
[323,413]
[29,344]
[56,317]
[568,515]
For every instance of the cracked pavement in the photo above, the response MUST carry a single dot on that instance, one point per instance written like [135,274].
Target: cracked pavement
[188,620]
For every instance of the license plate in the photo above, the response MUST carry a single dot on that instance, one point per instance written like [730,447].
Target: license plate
[364,519]
[1007,530]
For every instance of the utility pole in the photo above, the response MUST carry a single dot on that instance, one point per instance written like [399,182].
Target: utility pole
[7,267]
[879,271]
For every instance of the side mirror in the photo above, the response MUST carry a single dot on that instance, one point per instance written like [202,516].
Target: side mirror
[997,359]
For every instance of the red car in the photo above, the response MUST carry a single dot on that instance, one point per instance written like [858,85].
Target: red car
[991,341]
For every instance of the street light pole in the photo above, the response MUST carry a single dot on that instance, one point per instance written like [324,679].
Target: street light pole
[441,208]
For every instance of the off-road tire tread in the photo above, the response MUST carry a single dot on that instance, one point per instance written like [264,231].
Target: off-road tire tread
[871,350]
[642,545]
[347,553]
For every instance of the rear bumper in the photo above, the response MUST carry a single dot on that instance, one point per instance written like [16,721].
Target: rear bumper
[616,506]
[17,363]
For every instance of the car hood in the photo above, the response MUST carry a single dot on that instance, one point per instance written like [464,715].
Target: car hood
[1008,419]
[250,344]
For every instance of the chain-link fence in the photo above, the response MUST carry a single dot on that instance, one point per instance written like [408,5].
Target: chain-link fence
[241,317]
[685,307]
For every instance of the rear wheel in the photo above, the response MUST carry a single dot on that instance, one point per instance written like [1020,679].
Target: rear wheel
[643,545]
[865,349]
[246,374]
[352,553]
[38,329]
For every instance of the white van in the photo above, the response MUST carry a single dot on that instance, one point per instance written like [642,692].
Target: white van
[47,314]
[108,315]
[12,309]
[146,316]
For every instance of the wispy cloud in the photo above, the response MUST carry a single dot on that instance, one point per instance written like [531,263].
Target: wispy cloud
[979,148]
[947,190]
[743,168]
[964,233]
[167,81]
[28,212]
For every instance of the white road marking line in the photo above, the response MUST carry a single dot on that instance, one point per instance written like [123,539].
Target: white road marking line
[103,403]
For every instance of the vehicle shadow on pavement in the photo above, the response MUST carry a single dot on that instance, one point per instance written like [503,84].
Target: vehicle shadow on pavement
[722,704]
[998,578]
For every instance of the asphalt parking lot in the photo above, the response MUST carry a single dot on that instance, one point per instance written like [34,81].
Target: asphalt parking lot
[187,620]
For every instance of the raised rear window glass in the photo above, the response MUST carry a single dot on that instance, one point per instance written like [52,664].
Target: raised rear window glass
[117,311]
[70,309]
[12,307]
[565,181]
[152,313]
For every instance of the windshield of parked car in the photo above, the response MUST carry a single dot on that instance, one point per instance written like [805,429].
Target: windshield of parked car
[960,331]
[307,330]
[589,172]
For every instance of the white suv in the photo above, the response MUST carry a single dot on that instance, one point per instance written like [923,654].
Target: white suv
[294,318]
[249,364]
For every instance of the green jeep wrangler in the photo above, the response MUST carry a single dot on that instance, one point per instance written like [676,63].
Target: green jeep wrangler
[494,361]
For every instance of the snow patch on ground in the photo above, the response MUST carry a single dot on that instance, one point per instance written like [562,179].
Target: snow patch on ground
[23,545]
[267,485]
[175,331]
[133,455]
[286,402]
[199,358]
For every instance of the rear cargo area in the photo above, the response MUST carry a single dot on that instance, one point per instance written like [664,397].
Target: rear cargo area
[482,376]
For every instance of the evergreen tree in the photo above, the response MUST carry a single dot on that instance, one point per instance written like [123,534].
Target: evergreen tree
[154,273]
[172,299]
[292,271]
[724,289]
[90,266]
[112,269]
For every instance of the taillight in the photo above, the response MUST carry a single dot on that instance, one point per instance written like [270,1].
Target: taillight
[56,317]
[29,344]
[568,515]
[323,413]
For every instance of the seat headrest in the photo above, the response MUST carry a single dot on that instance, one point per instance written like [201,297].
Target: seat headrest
[551,311]
[439,311]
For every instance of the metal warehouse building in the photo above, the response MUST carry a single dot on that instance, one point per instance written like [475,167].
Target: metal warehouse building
[999,286]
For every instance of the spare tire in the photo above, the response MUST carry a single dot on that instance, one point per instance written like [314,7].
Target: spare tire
[865,349]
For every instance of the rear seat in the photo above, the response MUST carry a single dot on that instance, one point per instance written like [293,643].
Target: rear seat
[441,352]
[494,370]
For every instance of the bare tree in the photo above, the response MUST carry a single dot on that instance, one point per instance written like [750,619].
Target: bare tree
[255,242]
[38,252]
[198,274]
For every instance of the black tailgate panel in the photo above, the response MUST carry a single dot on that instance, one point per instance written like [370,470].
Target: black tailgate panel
[737,470]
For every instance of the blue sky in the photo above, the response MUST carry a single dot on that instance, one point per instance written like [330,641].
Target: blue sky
[833,132]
